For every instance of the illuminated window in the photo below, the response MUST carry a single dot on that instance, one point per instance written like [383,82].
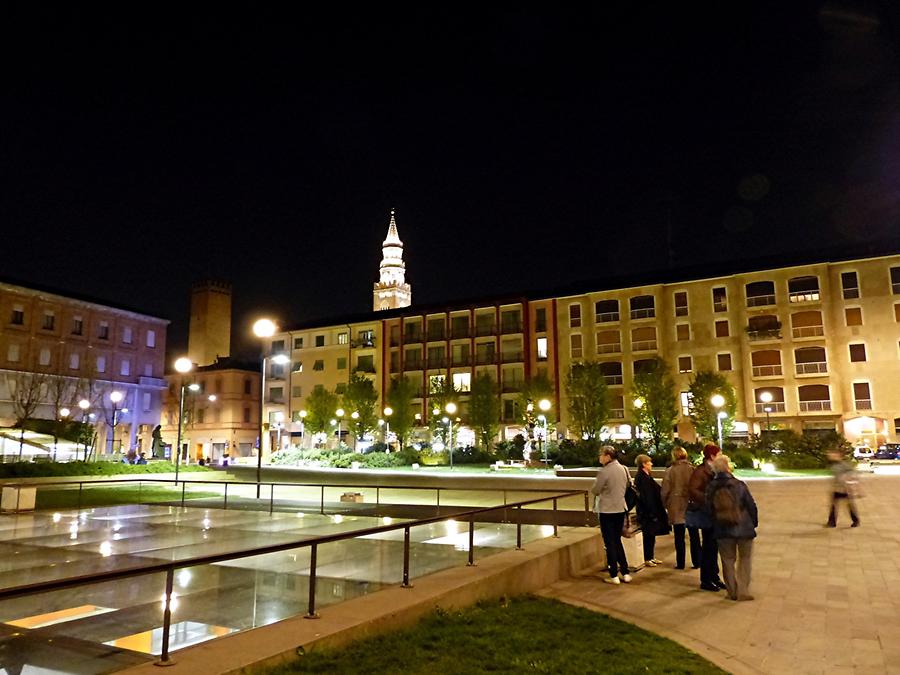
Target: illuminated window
[853,315]
[125,367]
[151,338]
[462,381]
[342,338]
[542,349]
[685,403]
[127,335]
[74,361]
[101,364]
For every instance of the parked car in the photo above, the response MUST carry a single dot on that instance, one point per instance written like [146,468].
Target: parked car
[863,452]
[888,451]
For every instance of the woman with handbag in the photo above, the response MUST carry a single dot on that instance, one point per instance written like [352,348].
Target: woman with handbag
[610,485]
[650,511]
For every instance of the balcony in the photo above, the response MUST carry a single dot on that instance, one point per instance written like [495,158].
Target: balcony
[609,348]
[761,300]
[412,336]
[365,368]
[647,313]
[612,380]
[437,362]
[773,333]
[412,364]
[815,406]
[617,414]
[643,346]
[363,343]
[814,368]
[485,330]
[512,387]
[863,404]
[485,359]
[720,306]
[508,327]
[774,407]
[767,371]
[461,361]
[437,335]
[607,317]
[460,333]
[512,357]
[807,332]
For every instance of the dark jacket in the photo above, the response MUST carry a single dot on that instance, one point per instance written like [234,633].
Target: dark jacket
[650,510]
[697,486]
[749,519]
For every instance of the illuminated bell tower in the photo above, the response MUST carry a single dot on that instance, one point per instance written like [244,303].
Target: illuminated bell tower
[392,291]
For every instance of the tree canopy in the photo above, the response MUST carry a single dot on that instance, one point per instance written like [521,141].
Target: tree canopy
[359,401]
[655,388]
[704,386]
[588,398]
[320,407]
[484,409]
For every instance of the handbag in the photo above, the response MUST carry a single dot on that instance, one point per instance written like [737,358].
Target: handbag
[628,527]
[631,495]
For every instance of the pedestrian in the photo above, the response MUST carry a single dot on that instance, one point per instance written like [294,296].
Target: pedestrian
[675,498]
[609,487]
[650,510]
[735,520]
[844,487]
[697,517]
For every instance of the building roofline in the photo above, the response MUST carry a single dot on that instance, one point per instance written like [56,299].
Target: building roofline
[65,295]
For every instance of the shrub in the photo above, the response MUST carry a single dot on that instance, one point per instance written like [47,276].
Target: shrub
[376,447]
[790,450]
[576,453]
[471,455]
[47,469]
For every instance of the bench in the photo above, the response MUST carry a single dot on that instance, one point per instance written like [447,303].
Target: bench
[17,498]
[499,465]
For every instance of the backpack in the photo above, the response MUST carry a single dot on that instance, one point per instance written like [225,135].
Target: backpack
[725,507]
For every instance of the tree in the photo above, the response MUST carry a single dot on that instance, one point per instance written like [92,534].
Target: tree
[484,409]
[320,407]
[535,389]
[704,386]
[402,418]
[588,398]
[360,397]
[60,391]
[27,392]
[655,387]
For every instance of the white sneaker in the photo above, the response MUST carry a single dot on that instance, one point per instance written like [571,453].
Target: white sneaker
[657,561]
[626,578]
[649,563]
[612,580]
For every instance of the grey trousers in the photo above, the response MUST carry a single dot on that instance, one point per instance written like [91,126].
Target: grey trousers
[740,550]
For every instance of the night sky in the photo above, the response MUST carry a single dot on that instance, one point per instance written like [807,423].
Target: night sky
[522,149]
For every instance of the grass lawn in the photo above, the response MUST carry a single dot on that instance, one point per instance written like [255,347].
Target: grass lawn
[48,498]
[526,634]
[781,473]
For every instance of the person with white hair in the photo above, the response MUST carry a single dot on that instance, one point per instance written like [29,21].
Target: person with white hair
[735,519]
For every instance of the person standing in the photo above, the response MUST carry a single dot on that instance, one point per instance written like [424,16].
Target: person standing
[674,495]
[844,488]
[735,519]
[650,510]
[698,516]
[609,487]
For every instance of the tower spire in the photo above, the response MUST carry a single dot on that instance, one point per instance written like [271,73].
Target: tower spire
[392,291]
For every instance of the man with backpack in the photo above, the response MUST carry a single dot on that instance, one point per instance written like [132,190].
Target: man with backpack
[734,517]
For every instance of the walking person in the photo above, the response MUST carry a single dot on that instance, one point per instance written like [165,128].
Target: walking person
[609,487]
[735,520]
[697,516]
[650,510]
[674,495]
[844,488]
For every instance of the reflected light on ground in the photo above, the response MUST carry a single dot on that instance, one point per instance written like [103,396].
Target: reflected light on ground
[106,549]
[173,605]
[57,517]
[387,520]
[338,518]
[184,577]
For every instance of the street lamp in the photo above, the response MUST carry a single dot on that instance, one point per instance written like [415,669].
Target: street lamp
[302,428]
[451,410]
[766,398]
[264,328]
[183,365]
[339,413]
[638,404]
[387,425]
[116,398]
[64,413]
[544,405]
[84,404]
[354,416]
[718,401]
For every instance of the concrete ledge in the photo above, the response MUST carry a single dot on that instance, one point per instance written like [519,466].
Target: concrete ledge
[509,573]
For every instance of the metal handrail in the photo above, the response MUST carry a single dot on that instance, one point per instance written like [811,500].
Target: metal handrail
[170,566]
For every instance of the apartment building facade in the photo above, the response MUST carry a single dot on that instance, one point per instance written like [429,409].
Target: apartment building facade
[80,348]
[822,339]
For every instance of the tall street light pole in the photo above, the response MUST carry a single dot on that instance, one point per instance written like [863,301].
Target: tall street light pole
[339,413]
[718,401]
[84,404]
[64,413]
[544,405]
[766,398]
[450,408]
[263,329]
[387,426]
[116,398]
[183,365]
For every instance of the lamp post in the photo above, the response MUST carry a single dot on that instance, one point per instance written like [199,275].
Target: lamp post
[766,398]
[64,413]
[638,405]
[279,423]
[388,411]
[718,401]
[354,416]
[84,404]
[451,411]
[544,405]
[339,413]
[183,365]
[264,328]
[116,398]
[302,428]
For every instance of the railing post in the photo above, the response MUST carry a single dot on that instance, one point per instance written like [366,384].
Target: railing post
[519,528]
[377,496]
[183,486]
[272,499]
[406,583]
[311,609]
[322,501]
[438,501]
[555,520]
[587,510]
[225,502]
[140,489]
[167,619]
[471,562]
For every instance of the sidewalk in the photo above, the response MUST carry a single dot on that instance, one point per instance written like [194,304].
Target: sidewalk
[827,600]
